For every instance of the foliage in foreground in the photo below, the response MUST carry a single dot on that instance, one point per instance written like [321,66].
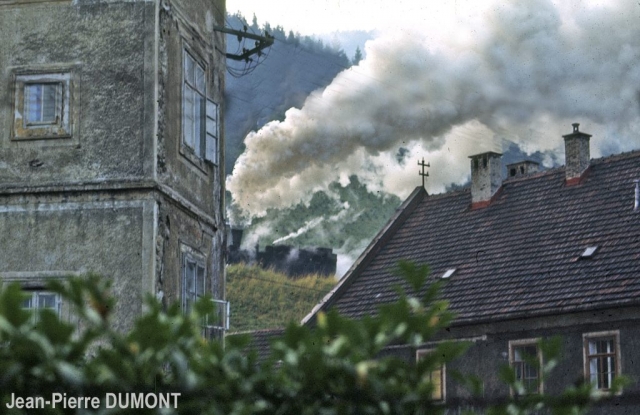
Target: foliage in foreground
[332,369]
[264,299]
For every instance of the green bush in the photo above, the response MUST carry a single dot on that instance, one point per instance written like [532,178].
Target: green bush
[332,369]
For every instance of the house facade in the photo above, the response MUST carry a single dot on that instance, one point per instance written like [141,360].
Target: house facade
[111,149]
[536,255]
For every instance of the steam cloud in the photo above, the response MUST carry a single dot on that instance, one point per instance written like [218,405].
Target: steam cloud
[523,74]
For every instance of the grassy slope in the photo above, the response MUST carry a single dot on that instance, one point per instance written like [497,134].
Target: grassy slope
[263,299]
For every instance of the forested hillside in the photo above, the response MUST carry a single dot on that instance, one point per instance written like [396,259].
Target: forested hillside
[264,89]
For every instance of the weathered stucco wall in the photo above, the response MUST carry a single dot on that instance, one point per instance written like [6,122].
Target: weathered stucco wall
[58,236]
[189,26]
[115,195]
[108,51]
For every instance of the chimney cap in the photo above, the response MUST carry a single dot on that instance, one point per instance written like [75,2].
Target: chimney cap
[486,153]
[576,132]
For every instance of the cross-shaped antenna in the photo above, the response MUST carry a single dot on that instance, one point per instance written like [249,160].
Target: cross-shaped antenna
[422,172]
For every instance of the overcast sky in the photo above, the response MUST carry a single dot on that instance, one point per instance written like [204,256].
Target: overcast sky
[326,16]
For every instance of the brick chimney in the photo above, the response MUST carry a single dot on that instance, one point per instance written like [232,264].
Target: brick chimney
[486,178]
[576,149]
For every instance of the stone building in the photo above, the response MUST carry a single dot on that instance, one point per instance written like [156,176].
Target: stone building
[535,255]
[111,148]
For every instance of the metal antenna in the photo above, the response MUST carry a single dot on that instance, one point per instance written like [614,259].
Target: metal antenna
[422,172]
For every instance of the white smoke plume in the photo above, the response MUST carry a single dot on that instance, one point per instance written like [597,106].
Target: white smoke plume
[309,225]
[522,73]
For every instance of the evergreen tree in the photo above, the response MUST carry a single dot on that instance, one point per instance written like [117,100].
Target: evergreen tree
[358,56]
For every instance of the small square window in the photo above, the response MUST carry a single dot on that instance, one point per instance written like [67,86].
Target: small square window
[43,103]
[526,360]
[602,359]
[42,106]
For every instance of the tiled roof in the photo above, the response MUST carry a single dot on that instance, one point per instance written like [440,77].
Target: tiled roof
[261,340]
[518,256]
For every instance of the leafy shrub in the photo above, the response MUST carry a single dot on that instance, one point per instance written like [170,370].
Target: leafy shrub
[334,368]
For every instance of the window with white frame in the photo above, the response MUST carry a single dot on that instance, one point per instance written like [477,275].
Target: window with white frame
[526,360]
[200,116]
[40,300]
[436,377]
[42,106]
[218,320]
[193,281]
[602,358]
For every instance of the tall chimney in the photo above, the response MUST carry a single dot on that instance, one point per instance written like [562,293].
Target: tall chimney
[486,178]
[576,149]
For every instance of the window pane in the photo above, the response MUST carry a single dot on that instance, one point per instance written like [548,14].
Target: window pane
[188,69]
[33,102]
[191,278]
[188,120]
[525,365]
[47,300]
[517,354]
[200,80]
[436,380]
[212,110]
[212,149]
[27,304]
[189,285]
[212,127]
[201,282]
[50,102]
[43,102]
[602,361]
[199,131]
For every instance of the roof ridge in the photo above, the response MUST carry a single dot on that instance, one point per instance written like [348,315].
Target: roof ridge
[617,156]
[451,193]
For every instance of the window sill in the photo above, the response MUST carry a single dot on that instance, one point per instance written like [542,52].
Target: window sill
[34,136]
[199,163]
